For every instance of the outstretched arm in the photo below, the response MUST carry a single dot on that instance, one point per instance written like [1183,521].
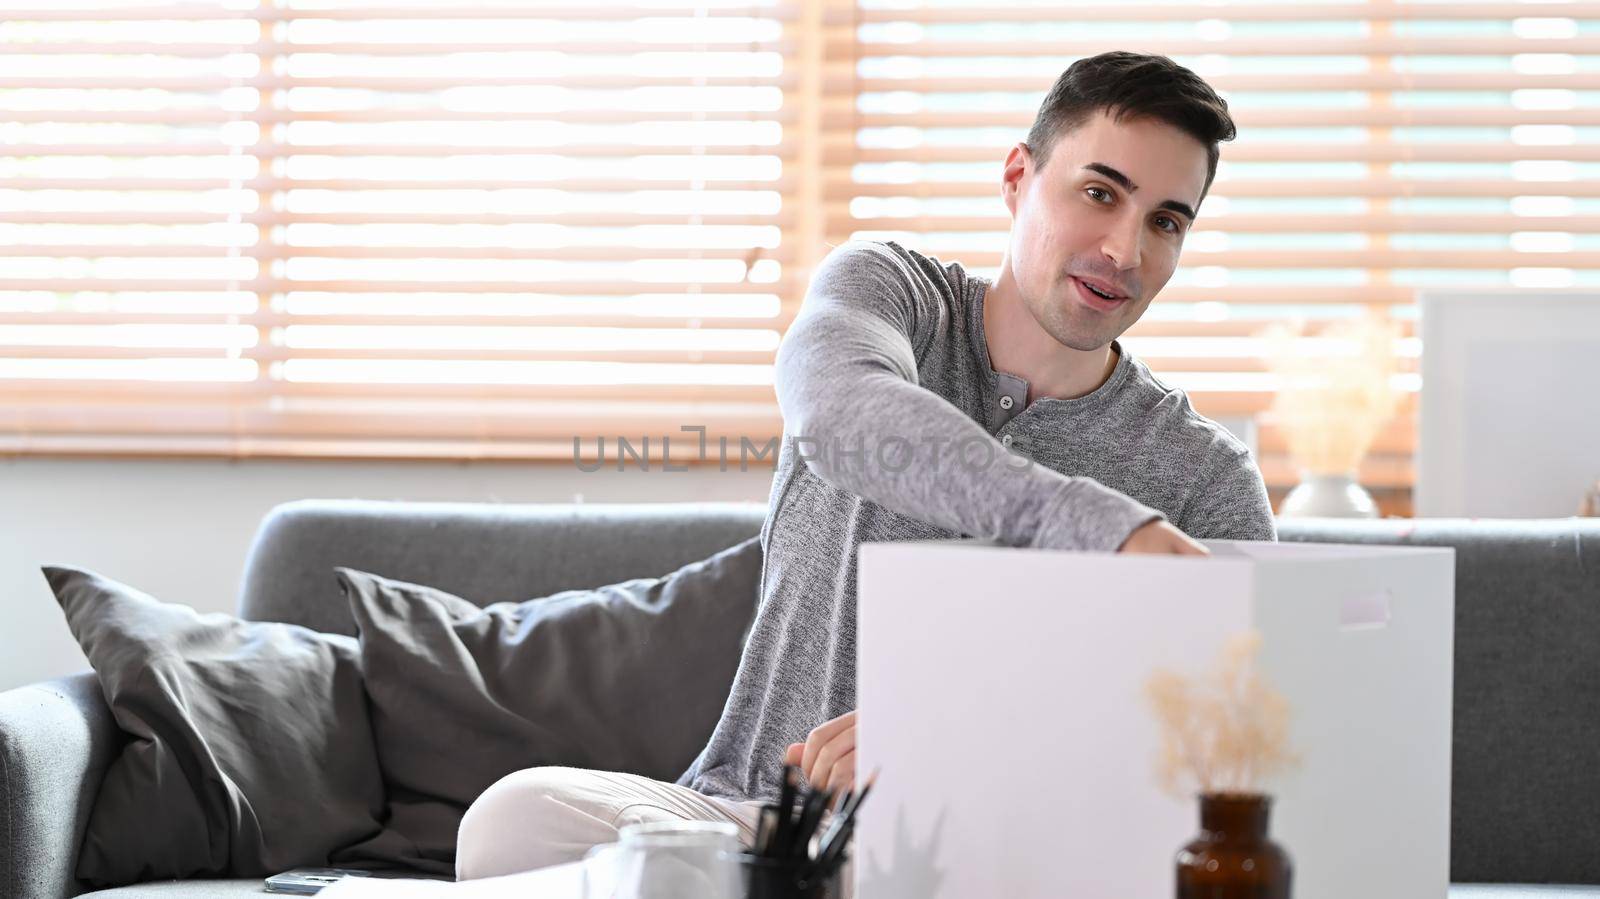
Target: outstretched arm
[847,380]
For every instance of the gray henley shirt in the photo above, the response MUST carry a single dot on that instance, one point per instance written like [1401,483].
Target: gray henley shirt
[897,427]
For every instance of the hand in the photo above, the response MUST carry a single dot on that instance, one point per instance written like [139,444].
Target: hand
[1160,538]
[828,756]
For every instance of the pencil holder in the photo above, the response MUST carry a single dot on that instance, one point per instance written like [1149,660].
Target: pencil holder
[785,878]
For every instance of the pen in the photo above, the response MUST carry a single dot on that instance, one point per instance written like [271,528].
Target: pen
[780,834]
[810,815]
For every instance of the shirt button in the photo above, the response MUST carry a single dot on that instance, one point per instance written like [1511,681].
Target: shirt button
[1007,402]
[1006,440]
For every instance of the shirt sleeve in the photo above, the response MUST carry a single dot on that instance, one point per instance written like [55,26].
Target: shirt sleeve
[1230,504]
[855,414]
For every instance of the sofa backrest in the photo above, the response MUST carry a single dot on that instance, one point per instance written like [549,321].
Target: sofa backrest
[478,551]
[1526,787]
[1525,779]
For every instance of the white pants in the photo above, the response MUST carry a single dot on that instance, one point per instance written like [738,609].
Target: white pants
[548,816]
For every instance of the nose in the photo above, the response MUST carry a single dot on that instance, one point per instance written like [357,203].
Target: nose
[1121,244]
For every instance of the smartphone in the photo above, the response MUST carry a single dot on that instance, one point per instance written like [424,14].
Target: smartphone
[310,881]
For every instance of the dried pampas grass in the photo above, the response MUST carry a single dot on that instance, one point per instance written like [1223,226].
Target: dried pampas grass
[1224,733]
[1590,507]
[1335,392]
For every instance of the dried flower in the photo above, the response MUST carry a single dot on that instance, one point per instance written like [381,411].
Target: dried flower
[1331,403]
[1225,733]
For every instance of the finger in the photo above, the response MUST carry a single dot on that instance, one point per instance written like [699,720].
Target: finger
[829,729]
[827,766]
[837,748]
[818,738]
[818,765]
[1188,546]
[842,775]
[793,754]
[824,736]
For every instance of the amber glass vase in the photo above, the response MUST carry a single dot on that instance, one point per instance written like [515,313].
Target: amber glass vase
[1233,858]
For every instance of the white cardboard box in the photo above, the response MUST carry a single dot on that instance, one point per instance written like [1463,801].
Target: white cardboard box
[1001,695]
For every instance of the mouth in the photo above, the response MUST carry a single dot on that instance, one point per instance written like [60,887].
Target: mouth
[1097,294]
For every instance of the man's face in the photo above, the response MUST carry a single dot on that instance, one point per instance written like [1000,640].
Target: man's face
[1108,212]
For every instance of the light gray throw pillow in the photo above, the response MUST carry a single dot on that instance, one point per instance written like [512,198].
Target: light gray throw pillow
[629,677]
[249,747]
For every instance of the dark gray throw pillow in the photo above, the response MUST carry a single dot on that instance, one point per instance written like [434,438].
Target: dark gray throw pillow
[630,677]
[249,746]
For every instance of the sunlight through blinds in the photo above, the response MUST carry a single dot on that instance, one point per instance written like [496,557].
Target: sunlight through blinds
[331,228]
[325,228]
[1383,148]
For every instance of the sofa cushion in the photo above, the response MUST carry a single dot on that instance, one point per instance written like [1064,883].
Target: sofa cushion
[248,747]
[629,677]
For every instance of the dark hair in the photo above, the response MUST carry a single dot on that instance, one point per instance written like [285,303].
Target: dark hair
[1132,85]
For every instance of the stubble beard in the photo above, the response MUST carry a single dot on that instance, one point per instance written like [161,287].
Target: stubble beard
[1078,329]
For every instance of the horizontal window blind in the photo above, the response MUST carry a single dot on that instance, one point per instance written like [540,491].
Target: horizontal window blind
[1383,148]
[330,228]
[394,229]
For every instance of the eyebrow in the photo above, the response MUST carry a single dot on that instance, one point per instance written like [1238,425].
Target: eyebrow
[1127,184]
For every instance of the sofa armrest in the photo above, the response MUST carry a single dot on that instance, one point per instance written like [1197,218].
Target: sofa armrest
[56,740]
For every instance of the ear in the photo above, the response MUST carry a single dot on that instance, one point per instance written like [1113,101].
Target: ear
[1019,164]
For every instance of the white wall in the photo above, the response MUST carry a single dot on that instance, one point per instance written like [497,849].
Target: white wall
[179,529]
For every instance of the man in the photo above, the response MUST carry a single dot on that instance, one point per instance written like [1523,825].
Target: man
[920,402]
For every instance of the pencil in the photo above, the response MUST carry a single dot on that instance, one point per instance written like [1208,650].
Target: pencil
[840,828]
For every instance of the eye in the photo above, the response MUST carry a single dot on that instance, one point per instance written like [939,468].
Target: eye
[1098,194]
[1168,224]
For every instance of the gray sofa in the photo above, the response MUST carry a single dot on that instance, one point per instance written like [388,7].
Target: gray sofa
[1526,795]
